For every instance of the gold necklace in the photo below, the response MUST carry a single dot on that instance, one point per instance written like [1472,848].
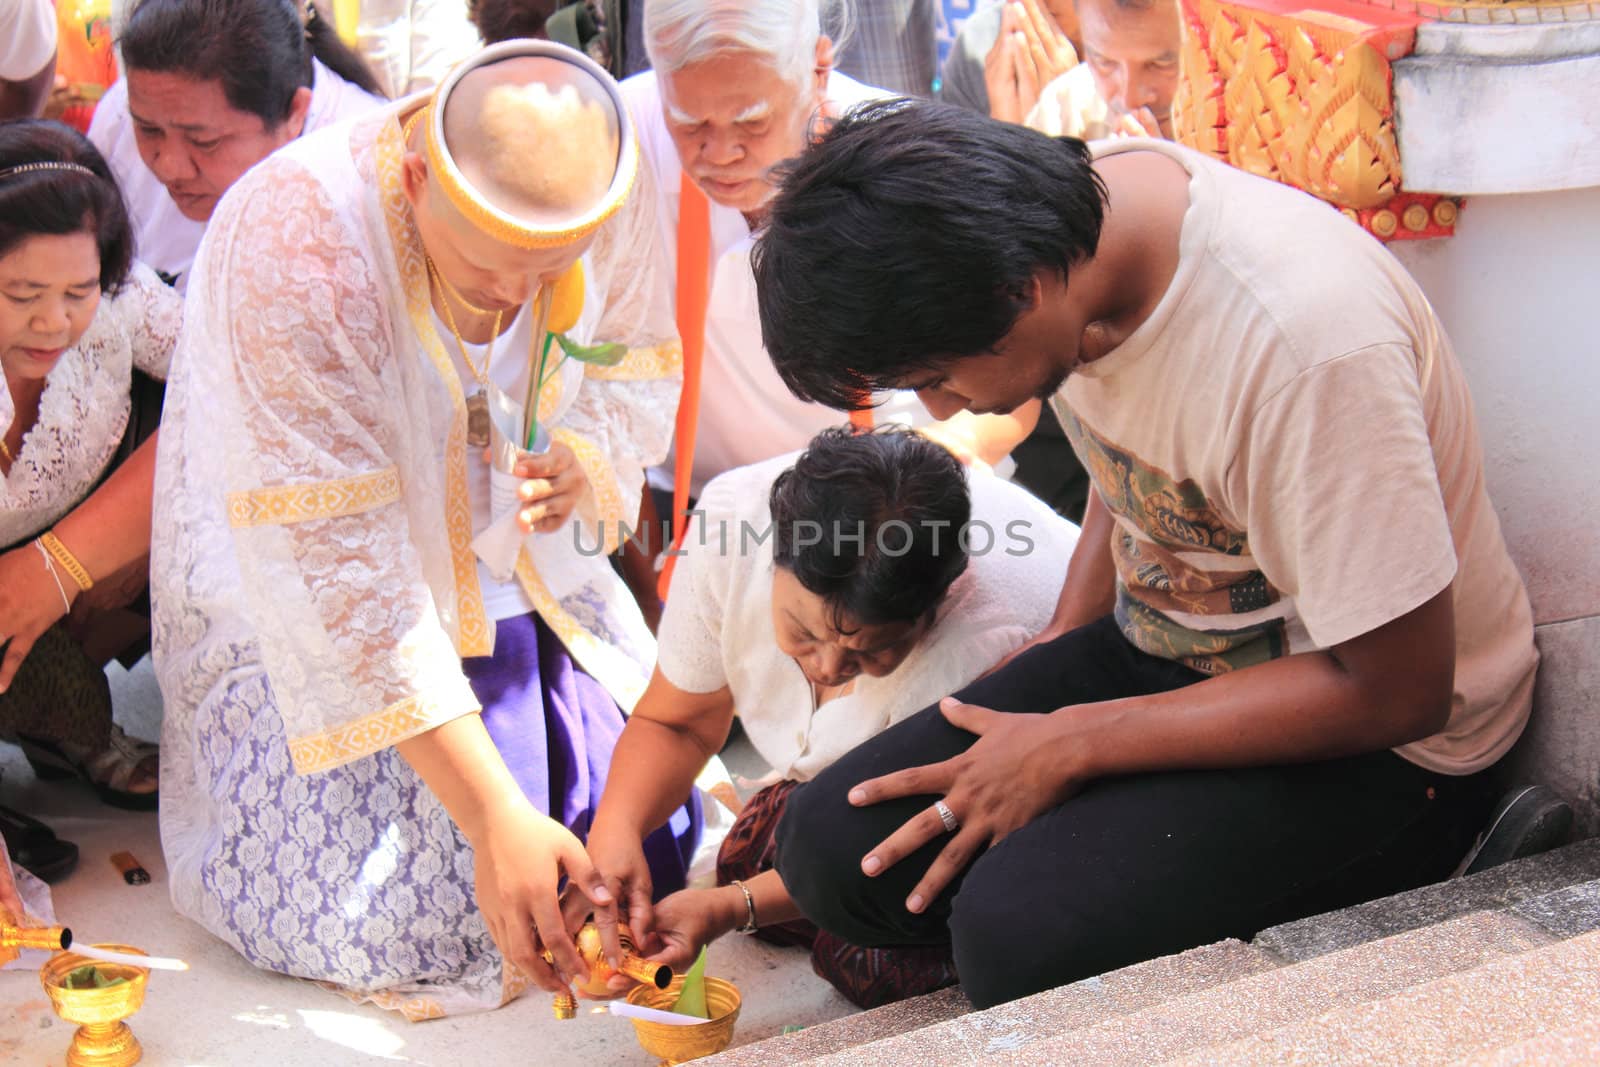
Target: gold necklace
[456,294]
[478,402]
[5,450]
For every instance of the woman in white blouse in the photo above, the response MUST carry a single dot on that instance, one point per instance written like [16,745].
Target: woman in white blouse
[209,89]
[84,334]
[825,597]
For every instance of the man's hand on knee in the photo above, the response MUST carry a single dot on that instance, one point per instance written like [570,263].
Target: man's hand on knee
[1008,777]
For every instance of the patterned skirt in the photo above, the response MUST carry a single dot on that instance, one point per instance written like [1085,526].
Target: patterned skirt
[356,876]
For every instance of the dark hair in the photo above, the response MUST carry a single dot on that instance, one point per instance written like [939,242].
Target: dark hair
[504,20]
[58,200]
[259,50]
[909,235]
[872,523]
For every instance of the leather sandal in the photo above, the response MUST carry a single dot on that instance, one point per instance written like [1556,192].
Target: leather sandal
[35,847]
[113,771]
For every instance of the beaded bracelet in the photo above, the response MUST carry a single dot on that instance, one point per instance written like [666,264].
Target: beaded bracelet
[68,561]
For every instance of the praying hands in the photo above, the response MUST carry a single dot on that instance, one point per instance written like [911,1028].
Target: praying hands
[1031,51]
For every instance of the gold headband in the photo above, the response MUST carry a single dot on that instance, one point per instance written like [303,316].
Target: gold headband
[491,220]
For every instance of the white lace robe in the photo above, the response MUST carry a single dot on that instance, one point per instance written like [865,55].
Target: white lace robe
[83,411]
[314,583]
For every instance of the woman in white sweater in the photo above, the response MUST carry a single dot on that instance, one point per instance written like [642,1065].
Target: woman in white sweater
[824,598]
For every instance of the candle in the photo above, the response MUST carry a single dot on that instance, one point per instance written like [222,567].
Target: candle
[652,1015]
[154,963]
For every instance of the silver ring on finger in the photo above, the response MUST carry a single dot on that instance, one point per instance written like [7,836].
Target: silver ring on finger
[946,816]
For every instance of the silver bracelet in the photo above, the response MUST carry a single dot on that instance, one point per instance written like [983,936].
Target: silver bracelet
[749,926]
[49,565]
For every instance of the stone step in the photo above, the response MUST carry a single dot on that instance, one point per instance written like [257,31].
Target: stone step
[1578,1043]
[980,1035]
[837,1035]
[1504,1003]
[1557,892]
[1568,912]
[1272,1000]
[1500,887]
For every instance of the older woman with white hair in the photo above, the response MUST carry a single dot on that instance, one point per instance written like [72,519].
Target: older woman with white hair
[736,89]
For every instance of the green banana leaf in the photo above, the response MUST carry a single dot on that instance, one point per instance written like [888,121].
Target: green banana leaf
[601,355]
[692,1000]
[90,977]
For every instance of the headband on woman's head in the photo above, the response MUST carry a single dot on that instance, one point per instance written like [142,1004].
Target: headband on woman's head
[475,206]
[47,164]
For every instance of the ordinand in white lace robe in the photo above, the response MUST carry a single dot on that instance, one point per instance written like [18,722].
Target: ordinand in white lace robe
[314,585]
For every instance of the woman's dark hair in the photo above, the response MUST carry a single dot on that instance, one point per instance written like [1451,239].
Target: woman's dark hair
[260,50]
[909,236]
[505,20]
[61,200]
[575,23]
[872,523]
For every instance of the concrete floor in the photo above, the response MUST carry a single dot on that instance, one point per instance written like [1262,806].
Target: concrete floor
[224,1013]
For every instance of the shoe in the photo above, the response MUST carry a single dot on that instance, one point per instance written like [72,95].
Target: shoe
[111,771]
[1528,820]
[35,847]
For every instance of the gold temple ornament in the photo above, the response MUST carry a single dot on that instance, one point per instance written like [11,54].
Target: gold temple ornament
[642,971]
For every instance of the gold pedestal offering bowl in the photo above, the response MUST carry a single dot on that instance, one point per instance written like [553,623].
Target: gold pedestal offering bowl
[680,1044]
[102,1039]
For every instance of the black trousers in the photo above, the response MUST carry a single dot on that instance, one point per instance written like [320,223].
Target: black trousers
[1130,868]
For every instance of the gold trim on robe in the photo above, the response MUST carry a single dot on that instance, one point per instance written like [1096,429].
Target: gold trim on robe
[475,634]
[286,504]
[371,733]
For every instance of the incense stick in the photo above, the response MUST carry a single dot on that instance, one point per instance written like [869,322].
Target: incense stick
[652,1015]
[154,963]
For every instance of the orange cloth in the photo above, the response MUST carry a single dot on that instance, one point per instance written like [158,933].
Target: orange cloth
[694,277]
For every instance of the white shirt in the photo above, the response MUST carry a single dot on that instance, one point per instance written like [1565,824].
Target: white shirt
[412,44]
[84,409]
[747,414]
[717,630]
[163,236]
[27,38]
[1288,449]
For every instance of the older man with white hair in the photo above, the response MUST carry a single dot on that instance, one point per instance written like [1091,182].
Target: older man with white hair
[737,88]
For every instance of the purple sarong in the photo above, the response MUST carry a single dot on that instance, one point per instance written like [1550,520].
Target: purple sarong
[556,727]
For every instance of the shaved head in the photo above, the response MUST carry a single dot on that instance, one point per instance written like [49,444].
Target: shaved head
[539,138]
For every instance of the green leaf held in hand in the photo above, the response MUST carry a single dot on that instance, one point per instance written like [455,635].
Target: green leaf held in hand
[692,1000]
[601,355]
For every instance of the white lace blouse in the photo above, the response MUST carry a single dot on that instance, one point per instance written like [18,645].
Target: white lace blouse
[84,409]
